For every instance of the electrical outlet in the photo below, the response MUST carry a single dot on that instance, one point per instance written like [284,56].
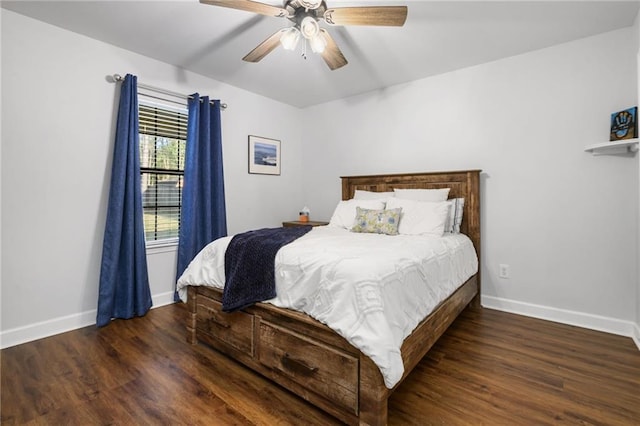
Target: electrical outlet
[503,271]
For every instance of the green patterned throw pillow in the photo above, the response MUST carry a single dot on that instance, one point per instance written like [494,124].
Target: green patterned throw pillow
[377,221]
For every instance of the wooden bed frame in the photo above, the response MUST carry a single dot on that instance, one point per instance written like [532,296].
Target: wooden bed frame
[307,357]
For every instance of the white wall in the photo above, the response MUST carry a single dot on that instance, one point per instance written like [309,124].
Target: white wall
[564,220]
[636,334]
[0,170]
[57,139]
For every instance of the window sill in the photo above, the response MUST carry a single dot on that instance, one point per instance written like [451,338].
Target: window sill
[165,246]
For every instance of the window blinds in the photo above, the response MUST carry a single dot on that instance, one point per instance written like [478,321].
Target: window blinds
[159,121]
[163,134]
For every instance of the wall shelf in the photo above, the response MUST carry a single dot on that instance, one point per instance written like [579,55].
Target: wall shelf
[627,146]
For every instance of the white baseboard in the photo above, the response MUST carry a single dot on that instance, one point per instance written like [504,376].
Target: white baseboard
[31,332]
[579,319]
[636,335]
[40,330]
[162,299]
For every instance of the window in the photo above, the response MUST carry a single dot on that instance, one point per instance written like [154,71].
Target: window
[163,135]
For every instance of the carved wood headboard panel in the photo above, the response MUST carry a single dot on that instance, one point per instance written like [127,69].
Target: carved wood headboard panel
[465,184]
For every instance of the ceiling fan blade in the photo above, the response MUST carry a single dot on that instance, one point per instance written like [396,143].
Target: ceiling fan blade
[264,48]
[392,16]
[332,54]
[249,6]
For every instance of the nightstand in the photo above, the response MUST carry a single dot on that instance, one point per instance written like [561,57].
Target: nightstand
[298,223]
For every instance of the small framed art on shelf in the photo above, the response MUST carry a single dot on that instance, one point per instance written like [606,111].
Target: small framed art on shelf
[264,155]
[624,124]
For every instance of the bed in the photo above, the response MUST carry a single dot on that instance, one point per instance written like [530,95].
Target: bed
[309,358]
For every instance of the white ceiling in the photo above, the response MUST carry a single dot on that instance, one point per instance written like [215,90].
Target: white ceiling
[437,37]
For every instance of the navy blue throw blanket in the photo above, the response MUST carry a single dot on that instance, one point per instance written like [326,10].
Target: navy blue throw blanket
[249,265]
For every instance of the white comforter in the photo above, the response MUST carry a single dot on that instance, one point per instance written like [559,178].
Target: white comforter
[371,289]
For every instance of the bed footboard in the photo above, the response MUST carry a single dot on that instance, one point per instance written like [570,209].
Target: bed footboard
[307,357]
[288,347]
[191,319]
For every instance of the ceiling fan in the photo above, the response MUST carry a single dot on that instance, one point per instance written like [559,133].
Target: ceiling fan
[305,15]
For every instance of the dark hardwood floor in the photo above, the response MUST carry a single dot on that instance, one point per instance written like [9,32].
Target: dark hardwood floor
[490,368]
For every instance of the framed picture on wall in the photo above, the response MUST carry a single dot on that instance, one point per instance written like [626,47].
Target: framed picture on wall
[264,155]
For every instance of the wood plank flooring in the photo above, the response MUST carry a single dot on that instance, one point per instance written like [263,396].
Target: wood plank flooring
[490,368]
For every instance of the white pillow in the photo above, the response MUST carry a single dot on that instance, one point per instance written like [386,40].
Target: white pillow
[370,195]
[345,213]
[454,219]
[421,217]
[423,194]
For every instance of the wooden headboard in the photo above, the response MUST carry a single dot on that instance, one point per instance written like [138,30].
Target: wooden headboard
[464,184]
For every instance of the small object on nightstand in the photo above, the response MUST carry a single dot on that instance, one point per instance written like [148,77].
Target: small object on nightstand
[301,223]
[304,214]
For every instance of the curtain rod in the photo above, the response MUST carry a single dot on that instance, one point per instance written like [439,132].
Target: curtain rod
[118,77]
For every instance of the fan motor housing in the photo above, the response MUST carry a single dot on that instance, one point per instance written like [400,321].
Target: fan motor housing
[297,11]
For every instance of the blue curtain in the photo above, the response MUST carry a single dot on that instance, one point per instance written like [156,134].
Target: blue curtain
[124,281]
[203,214]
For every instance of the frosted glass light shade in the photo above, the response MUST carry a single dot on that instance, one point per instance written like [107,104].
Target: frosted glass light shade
[290,38]
[318,43]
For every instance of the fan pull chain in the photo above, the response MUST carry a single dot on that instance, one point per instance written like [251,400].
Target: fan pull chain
[304,48]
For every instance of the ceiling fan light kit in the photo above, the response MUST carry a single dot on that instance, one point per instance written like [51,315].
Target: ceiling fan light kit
[306,14]
[309,29]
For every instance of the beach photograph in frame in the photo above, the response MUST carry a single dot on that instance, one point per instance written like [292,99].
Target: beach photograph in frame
[264,155]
